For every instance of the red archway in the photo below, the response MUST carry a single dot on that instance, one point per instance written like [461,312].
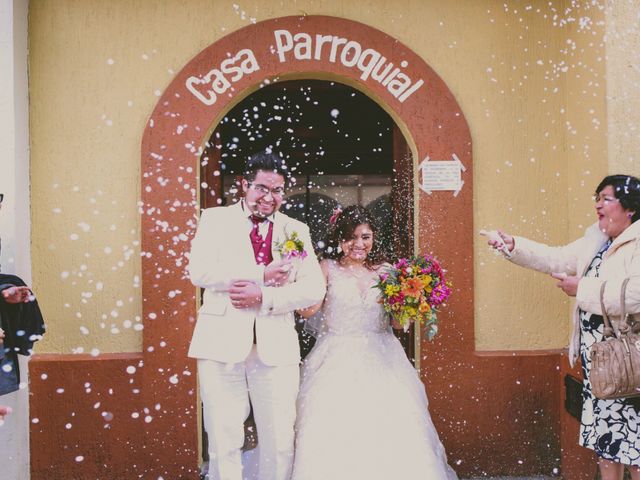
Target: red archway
[467,392]
[227,71]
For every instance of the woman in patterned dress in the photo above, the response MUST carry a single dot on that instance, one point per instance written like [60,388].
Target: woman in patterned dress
[609,251]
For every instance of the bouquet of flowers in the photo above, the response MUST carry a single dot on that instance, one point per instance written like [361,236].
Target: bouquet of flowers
[412,290]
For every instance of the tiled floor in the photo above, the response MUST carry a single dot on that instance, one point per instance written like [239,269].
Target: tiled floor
[249,461]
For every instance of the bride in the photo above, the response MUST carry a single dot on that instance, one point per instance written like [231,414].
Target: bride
[362,410]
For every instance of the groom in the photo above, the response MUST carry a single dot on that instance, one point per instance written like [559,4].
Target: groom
[244,339]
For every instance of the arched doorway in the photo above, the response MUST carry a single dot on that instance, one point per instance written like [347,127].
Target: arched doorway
[183,122]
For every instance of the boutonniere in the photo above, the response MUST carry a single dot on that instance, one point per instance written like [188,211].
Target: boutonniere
[291,246]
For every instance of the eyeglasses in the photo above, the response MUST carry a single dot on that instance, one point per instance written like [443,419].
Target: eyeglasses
[604,199]
[264,190]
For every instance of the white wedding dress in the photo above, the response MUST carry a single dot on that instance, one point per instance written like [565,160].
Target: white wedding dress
[362,410]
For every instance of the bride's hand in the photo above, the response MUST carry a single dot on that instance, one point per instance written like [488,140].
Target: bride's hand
[309,311]
[395,323]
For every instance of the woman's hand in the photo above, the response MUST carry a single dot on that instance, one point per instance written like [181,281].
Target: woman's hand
[499,240]
[569,285]
[508,241]
[16,294]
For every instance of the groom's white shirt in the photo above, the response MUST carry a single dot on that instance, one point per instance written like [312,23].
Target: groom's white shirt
[221,253]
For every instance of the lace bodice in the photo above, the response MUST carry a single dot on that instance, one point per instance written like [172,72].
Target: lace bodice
[351,305]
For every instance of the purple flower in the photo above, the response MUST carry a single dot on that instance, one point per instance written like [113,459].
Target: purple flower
[402,263]
[439,294]
[399,298]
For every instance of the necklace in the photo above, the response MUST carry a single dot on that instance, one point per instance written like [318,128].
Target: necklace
[362,275]
[357,270]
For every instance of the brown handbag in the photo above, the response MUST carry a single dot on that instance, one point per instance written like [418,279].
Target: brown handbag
[615,361]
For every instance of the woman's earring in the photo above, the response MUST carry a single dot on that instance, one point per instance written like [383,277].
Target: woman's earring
[630,215]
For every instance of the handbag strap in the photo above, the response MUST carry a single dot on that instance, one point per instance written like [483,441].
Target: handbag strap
[608,329]
[623,304]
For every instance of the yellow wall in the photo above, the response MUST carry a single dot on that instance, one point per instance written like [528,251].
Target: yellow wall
[97,67]
[623,86]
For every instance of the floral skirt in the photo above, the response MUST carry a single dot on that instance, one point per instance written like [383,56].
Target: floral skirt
[609,427]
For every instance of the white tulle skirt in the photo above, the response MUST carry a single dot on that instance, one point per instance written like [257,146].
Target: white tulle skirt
[362,414]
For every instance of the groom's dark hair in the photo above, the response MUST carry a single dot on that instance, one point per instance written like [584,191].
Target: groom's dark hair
[266,161]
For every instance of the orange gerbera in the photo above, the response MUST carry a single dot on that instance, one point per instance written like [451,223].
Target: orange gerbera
[413,287]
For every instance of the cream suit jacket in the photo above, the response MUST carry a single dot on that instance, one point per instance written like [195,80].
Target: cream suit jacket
[221,253]
[620,261]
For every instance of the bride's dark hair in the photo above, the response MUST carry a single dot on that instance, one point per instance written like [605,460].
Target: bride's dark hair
[342,230]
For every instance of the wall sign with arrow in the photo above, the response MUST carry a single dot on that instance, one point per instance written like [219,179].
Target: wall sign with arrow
[439,175]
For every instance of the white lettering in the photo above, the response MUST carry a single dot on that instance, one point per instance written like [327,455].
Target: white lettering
[364,67]
[376,75]
[399,84]
[334,47]
[321,40]
[208,98]
[228,68]
[408,93]
[303,41]
[215,82]
[281,48]
[373,66]
[386,81]
[250,64]
[356,47]
[219,84]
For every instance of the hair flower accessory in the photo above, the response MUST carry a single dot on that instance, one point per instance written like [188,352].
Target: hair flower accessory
[334,216]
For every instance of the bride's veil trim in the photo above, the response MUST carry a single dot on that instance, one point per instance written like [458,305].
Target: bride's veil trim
[316,324]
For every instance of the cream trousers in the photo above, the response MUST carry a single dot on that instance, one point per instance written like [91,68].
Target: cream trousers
[225,389]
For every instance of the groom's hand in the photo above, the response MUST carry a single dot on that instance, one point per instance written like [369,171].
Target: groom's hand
[245,294]
[277,273]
